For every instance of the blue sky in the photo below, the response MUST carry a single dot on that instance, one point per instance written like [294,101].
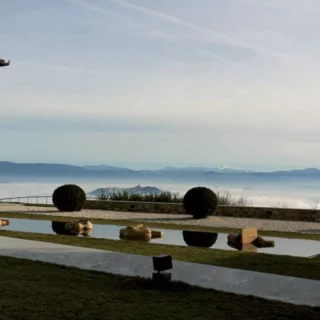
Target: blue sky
[148,83]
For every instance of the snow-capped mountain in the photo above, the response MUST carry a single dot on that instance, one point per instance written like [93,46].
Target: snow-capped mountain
[227,168]
[185,168]
[105,167]
[222,169]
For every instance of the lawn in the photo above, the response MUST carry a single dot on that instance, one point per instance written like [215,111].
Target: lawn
[33,290]
[283,265]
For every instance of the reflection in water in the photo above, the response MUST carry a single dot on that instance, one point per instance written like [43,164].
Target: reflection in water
[139,232]
[76,228]
[145,239]
[236,241]
[199,239]
[259,242]
[4,222]
[291,247]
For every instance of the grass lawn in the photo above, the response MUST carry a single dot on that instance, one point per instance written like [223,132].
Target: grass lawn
[165,225]
[33,290]
[283,265]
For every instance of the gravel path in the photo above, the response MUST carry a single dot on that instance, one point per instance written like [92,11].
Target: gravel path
[230,222]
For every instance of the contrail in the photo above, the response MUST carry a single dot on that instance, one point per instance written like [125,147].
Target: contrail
[218,37]
[100,10]
[189,46]
[178,21]
[154,33]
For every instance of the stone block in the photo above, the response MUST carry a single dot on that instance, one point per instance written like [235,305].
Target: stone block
[162,262]
[248,235]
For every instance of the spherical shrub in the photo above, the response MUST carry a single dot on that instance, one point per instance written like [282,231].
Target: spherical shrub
[200,202]
[69,197]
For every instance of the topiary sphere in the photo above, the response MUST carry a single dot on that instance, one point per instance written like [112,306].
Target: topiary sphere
[69,197]
[200,202]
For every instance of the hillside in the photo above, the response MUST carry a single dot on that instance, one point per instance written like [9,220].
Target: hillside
[134,190]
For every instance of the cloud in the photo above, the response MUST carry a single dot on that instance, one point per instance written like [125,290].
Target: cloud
[68,123]
[152,126]
[66,68]
[271,4]
[299,6]
[281,202]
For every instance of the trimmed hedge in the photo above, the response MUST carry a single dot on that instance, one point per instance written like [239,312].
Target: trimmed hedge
[69,197]
[200,202]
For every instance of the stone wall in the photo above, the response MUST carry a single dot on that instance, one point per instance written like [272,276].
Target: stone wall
[270,213]
[135,206]
[227,211]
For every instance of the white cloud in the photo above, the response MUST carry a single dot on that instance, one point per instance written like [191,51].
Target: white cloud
[66,68]
[291,5]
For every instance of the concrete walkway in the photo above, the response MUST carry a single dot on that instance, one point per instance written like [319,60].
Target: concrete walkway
[274,287]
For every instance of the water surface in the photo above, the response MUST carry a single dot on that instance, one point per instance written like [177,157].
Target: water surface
[283,246]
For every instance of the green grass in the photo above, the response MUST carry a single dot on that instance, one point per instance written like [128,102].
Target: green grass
[164,225]
[276,264]
[33,290]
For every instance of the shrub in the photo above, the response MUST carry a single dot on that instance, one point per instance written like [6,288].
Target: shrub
[200,202]
[69,197]
[224,199]
[125,196]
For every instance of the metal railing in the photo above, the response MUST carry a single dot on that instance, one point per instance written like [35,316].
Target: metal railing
[33,200]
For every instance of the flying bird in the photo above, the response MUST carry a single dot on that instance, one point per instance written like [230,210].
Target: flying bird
[3,63]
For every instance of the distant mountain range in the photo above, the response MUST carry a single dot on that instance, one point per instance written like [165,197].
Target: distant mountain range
[10,171]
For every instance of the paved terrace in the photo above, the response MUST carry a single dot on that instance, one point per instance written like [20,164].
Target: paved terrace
[274,287]
[228,222]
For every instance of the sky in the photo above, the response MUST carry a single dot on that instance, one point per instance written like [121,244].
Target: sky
[149,83]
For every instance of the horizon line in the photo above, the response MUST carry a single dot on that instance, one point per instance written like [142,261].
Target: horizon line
[164,166]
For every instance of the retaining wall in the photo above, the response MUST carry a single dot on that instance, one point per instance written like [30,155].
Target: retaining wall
[227,211]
